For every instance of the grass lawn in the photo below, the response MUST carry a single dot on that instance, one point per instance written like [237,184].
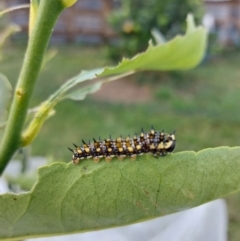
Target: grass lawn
[202,105]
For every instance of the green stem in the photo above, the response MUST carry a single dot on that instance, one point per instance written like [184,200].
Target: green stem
[48,13]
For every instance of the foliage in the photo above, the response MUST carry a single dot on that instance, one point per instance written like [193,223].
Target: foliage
[135,21]
[207,116]
[108,194]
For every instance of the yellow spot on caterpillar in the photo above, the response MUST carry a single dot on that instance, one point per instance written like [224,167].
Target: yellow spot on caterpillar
[138,147]
[109,149]
[168,144]
[98,149]
[128,144]
[173,137]
[130,149]
[120,149]
[86,149]
[152,146]
[160,146]
[119,144]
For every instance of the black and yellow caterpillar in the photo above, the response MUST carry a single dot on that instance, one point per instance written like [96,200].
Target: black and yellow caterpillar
[156,142]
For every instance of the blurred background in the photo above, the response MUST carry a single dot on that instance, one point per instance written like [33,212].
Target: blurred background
[201,104]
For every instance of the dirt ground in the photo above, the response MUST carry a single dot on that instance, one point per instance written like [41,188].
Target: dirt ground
[124,91]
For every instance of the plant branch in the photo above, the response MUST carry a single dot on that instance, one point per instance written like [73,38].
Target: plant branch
[48,13]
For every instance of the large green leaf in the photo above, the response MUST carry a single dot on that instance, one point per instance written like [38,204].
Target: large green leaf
[72,198]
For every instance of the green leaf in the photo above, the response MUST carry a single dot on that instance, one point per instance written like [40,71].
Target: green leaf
[5,98]
[62,92]
[92,196]
[183,52]
[80,94]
